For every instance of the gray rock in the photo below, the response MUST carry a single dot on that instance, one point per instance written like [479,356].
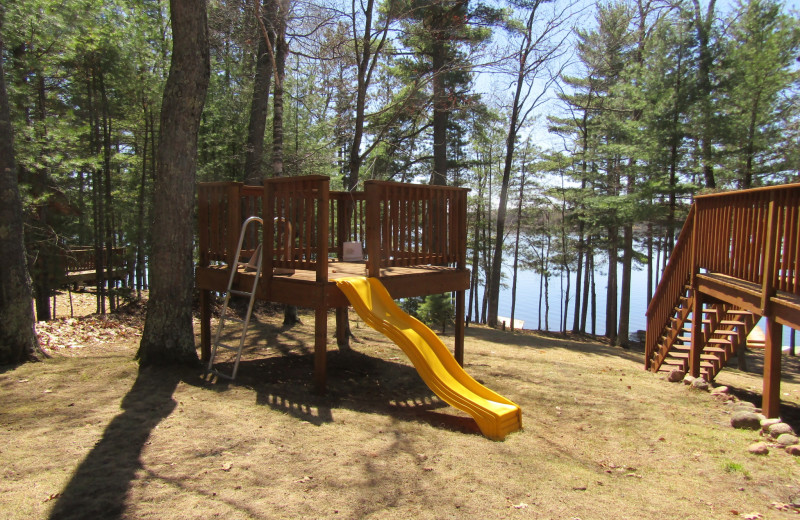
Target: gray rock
[744,420]
[700,384]
[778,429]
[767,423]
[744,405]
[787,439]
[794,450]
[759,448]
[720,390]
[676,375]
[688,380]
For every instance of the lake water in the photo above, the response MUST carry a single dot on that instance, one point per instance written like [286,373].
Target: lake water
[527,305]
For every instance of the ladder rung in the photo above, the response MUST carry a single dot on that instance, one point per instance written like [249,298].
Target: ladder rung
[227,347]
[233,320]
[241,293]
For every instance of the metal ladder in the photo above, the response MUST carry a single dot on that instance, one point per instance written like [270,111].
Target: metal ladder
[254,263]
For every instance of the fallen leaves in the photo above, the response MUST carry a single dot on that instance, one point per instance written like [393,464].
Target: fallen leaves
[75,333]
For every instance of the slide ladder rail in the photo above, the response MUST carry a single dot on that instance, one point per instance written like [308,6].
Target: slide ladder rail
[254,264]
[495,415]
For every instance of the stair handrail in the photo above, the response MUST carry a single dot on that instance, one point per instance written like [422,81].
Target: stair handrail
[673,280]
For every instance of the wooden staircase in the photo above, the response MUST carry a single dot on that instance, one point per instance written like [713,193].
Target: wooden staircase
[725,329]
[737,259]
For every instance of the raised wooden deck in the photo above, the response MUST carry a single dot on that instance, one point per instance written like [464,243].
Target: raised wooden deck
[413,238]
[737,259]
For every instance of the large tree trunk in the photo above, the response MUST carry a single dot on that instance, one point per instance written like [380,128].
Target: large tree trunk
[259,106]
[18,341]
[168,336]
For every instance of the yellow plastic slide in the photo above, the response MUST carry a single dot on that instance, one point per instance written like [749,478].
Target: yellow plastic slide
[496,416]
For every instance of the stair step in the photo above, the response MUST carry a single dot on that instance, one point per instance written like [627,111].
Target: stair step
[733,323]
[685,355]
[720,341]
[715,350]
[727,332]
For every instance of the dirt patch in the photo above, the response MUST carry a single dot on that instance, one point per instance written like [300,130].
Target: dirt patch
[85,434]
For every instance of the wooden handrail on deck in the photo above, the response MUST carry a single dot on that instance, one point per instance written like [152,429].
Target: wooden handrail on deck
[399,224]
[750,235]
[409,224]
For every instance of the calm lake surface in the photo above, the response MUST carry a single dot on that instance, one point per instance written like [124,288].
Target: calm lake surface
[527,306]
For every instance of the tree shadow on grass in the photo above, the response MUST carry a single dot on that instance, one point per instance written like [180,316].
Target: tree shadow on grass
[356,381]
[100,484]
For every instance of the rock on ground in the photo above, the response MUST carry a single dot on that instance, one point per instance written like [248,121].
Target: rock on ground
[744,420]
[778,429]
[676,375]
[759,448]
[786,439]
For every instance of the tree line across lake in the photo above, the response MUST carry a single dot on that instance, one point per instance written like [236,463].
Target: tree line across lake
[112,111]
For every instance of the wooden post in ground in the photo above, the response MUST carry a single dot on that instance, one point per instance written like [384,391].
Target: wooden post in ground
[342,341]
[459,332]
[697,333]
[771,394]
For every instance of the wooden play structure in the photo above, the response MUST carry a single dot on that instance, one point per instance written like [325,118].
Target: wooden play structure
[737,259]
[410,237]
[79,265]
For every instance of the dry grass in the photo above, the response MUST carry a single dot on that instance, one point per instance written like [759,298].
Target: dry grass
[89,436]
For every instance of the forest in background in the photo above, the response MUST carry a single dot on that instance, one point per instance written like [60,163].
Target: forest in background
[649,102]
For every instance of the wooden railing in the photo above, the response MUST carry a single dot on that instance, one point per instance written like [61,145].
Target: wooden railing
[296,224]
[78,259]
[347,218]
[410,224]
[752,235]
[399,224]
[222,207]
[676,276]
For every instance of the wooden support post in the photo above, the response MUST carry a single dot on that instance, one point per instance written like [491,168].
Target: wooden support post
[205,326]
[459,332]
[771,395]
[770,253]
[697,333]
[342,341]
[320,348]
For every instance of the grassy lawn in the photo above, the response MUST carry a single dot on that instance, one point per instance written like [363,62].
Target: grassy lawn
[86,435]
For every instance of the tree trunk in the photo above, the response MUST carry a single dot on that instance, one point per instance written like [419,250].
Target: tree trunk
[611,294]
[18,341]
[168,336]
[516,244]
[439,173]
[625,299]
[259,106]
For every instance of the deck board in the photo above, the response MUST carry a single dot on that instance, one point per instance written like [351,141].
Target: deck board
[300,288]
